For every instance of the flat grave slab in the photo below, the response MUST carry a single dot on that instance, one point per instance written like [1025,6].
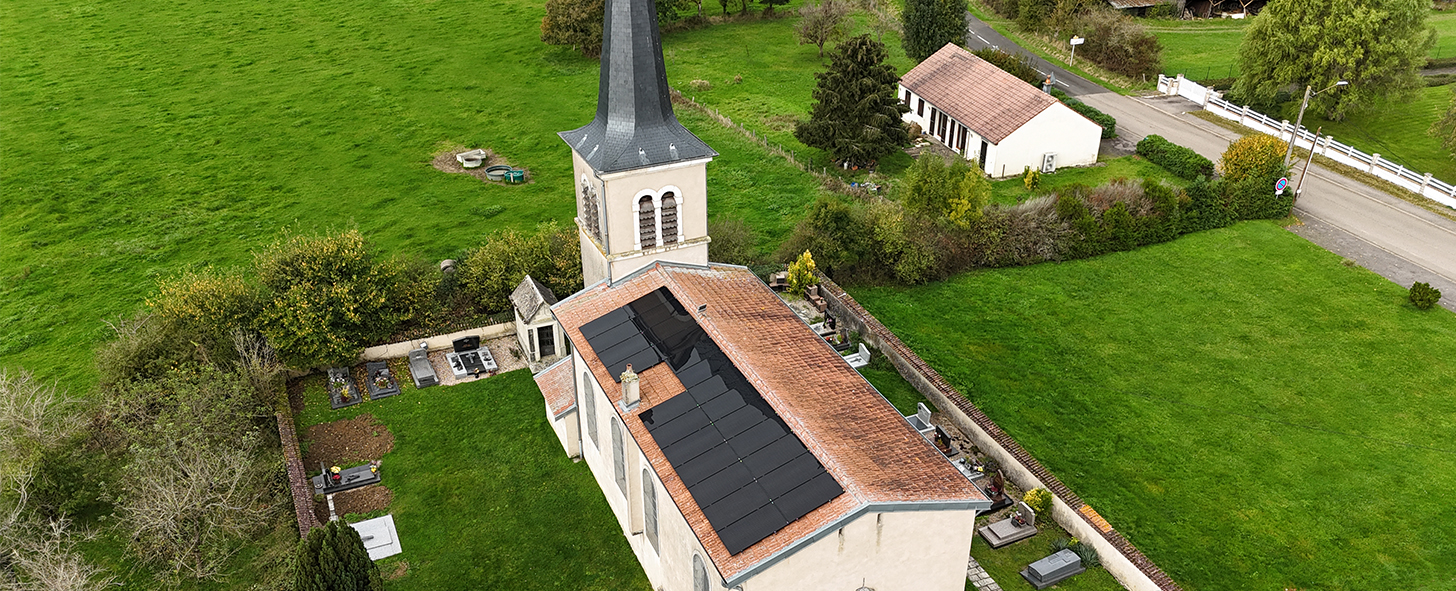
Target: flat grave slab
[380,380]
[1053,569]
[380,537]
[342,389]
[1011,530]
[349,479]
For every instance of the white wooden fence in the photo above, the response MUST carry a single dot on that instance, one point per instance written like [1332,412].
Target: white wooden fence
[1421,184]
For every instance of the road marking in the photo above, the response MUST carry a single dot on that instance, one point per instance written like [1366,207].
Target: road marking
[983,40]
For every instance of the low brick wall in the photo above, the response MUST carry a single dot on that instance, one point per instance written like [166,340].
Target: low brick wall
[298,480]
[1124,561]
[438,342]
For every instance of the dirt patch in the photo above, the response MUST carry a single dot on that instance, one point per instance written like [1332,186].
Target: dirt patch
[445,162]
[360,500]
[347,442]
[399,570]
[1116,146]
[781,122]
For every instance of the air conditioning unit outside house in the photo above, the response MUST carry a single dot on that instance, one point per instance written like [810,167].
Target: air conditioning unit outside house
[1049,162]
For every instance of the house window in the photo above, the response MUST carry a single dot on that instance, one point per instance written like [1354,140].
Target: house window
[961,141]
[619,456]
[700,574]
[669,218]
[649,508]
[590,211]
[646,222]
[920,110]
[589,404]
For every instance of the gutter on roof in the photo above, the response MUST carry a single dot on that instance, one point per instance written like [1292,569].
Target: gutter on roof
[822,532]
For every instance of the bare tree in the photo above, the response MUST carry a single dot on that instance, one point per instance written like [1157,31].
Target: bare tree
[187,503]
[34,416]
[884,17]
[259,365]
[821,23]
[43,557]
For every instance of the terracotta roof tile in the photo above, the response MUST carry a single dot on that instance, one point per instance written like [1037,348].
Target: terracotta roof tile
[558,386]
[976,93]
[858,437]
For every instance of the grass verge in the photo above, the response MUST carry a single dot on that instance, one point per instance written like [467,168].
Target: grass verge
[1247,410]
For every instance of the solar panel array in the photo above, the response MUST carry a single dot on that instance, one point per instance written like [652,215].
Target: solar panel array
[746,470]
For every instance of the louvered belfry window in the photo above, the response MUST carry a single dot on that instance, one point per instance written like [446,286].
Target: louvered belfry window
[646,222]
[590,211]
[669,218]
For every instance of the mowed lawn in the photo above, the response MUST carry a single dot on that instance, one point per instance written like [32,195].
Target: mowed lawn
[1397,131]
[1247,410]
[484,495]
[145,139]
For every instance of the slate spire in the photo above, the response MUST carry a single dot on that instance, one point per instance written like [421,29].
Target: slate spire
[634,126]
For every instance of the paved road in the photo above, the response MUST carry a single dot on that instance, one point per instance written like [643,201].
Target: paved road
[1396,239]
[981,35]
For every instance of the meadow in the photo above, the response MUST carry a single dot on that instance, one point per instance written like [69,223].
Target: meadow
[145,140]
[1246,409]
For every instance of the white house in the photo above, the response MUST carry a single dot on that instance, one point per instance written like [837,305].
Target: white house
[988,115]
[735,447]
[536,329]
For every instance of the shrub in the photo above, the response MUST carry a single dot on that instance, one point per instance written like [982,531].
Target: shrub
[701,85]
[333,558]
[734,242]
[1424,296]
[1256,155]
[211,301]
[801,274]
[1114,40]
[1206,208]
[489,273]
[1040,500]
[1162,10]
[1108,123]
[1177,159]
[1253,198]
[1018,65]
[1031,178]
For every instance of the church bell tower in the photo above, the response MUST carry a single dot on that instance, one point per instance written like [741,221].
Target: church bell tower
[641,177]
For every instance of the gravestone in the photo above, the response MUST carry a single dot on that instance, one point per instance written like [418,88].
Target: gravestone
[1018,527]
[1053,569]
[380,537]
[469,358]
[342,389]
[420,369]
[328,482]
[380,380]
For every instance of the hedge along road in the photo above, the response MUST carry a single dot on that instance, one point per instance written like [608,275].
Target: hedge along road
[1396,239]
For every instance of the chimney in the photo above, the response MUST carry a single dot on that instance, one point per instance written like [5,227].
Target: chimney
[631,393]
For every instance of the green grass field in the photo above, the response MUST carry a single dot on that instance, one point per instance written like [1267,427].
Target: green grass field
[142,140]
[1398,132]
[1251,413]
[1012,191]
[484,496]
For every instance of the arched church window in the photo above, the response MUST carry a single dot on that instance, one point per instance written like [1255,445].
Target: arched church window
[590,210]
[646,222]
[669,218]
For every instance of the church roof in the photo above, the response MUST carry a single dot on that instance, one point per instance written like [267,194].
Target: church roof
[869,455]
[634,125]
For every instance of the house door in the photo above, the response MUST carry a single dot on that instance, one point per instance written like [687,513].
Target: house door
[984,146]
[546,341]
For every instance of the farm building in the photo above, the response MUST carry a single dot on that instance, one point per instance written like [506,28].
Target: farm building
[986,114]
[736,448]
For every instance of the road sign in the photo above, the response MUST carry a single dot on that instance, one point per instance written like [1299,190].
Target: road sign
[1281,183]
[1078,40]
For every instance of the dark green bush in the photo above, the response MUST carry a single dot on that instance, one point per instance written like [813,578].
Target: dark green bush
[1018,65]
[1177,159]
[333,558]
[1424,296]
[1253,198]
[1108,123]
[1164,10]
[1206,207]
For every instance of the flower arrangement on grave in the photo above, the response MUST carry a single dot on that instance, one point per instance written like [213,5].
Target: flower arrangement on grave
[374,466]
[334,474]
[381,381]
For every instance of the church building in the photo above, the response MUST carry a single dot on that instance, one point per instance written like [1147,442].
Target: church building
[736,448]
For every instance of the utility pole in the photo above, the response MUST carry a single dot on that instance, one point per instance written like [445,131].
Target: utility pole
[1298,121]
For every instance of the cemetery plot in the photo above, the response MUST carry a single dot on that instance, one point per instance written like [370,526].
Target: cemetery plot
[380,380]
[342,389]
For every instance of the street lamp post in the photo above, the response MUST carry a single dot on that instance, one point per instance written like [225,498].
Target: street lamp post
[1298,121]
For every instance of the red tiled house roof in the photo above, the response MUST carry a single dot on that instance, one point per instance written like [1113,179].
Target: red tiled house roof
[558,385]
[860,439]
[981,96]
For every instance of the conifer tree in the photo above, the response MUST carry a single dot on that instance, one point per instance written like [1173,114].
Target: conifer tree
[333,558]
[930,24]
[856,113]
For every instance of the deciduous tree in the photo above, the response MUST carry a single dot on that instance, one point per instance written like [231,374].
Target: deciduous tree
[1377,45]
[856,114]
[821,23]
[1444,129]
[574,23]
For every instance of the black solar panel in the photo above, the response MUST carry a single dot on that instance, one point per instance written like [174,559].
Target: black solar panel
[743,466]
